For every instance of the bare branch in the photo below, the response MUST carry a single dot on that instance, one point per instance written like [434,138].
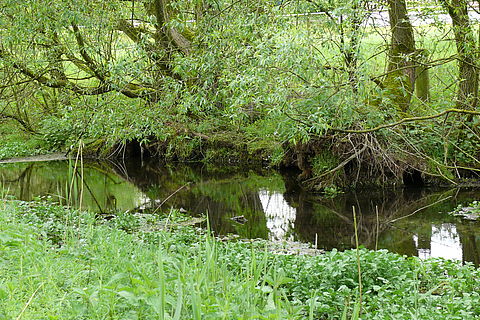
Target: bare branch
[130,90]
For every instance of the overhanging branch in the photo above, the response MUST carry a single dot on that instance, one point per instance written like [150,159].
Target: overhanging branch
[404,120]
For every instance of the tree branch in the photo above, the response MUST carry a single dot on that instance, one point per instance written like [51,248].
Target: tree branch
[23,123]
[130,90]
[341,165]
[83,52]
[404,120]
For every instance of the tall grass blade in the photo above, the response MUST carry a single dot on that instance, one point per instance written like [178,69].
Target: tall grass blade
[162,290]
[178,307]
[356,310]
[311,306]
[196,305]
[344,313]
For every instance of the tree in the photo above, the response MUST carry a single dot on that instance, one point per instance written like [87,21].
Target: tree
[467,53]
[347,18]
[84,41]
[400,79]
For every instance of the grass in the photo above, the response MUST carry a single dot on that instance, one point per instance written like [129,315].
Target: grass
[58,263]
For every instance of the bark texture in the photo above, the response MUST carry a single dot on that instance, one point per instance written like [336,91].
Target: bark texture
[400,79]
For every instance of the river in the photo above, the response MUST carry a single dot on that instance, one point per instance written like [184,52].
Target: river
[413,222]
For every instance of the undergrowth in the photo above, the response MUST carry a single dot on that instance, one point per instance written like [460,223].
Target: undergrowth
[58,263]
[19,145]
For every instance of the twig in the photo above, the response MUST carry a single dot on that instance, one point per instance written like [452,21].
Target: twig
[341,165]
[358,259]
[378,227]
[166,199]
[29,301]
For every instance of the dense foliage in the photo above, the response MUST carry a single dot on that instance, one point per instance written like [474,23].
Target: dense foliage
[320,85]
[64,264]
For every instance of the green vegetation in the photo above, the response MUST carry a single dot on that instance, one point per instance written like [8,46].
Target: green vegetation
[327,87]
[102,191]
[248,81]
[58,263]
[19,144]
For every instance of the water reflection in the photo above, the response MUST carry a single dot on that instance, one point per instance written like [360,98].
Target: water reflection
[280,216]
[275,206]
[444,242]
[102,190]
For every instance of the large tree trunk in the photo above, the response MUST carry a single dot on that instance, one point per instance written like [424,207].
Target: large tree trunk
[422,77]
[351,51]
[467,53]
[166,37]
[400,78]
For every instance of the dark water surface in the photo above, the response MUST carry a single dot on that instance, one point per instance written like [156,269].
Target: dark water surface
[274,205]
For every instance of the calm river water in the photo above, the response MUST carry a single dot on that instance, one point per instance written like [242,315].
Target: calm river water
[274,205]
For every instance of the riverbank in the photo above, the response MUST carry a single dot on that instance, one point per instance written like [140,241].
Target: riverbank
[338,162]
[76,266]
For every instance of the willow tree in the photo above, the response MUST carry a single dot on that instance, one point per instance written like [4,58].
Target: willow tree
[80,46]
[347,19]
